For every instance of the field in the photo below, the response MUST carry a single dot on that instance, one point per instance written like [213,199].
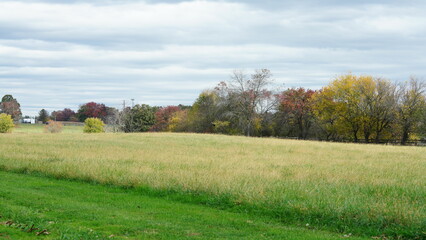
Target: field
[73,210]
[365,190]
[28,128]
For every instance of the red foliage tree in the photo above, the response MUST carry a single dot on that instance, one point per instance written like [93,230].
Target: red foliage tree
[91,110]
[64,115]
[296,106]
[162,117]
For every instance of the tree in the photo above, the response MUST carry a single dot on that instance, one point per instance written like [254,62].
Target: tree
[178,121]
[324,107]
[140,118]
[93,125]
[349,106]
[43,116]
[295,107]
[64,115]
[163,116]
[249,99]
[6,123]
[411,104]
[10,106]
[114,119]
[204,111]
[91,110]
[378,106]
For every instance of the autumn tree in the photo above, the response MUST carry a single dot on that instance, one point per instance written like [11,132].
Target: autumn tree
[353,106]
[345,99]
[11,106]
[6,123]
[163,116]
[178,122]
[323,108]
[64,115]
[295,109]
[91,110]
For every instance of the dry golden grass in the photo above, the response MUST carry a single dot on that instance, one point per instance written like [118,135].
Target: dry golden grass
[344,186]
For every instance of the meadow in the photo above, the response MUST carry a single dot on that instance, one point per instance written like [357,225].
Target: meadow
[365,190]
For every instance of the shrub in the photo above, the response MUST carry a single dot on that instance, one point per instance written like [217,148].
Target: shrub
[6,123]
[93,125]
[53,127]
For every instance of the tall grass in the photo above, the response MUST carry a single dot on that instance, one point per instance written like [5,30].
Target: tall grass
[366,189]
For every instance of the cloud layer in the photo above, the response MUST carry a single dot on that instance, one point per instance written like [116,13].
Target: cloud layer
[60,55]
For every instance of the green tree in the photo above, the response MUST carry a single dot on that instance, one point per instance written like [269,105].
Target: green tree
[43,116]
[6,123]
[140,118]
[204,112]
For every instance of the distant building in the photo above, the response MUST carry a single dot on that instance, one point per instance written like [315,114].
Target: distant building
[29,120]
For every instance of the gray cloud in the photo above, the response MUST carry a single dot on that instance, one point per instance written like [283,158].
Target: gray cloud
[55,55]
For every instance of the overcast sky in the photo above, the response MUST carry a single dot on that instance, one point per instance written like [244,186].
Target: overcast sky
[57,54]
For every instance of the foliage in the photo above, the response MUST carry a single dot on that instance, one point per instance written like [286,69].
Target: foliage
[93,125]
[91,110]
[249,98]
[10,106]
[43,116]
[163,116]
[204,111]
[140,118]
[64,115]
[53,127]
[221,126]
[295,109]
[178,121]
[6,123]
[353,106]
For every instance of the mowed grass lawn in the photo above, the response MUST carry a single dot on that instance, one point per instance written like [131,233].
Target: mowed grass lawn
[367,190]
[75,210]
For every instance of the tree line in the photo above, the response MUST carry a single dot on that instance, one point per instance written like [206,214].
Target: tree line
[350,108]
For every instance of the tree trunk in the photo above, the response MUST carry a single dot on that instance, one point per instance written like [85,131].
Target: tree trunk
[404,137]
[355,136]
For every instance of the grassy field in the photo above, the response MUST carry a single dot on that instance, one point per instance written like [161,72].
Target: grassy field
[38,128]
[75,210]
[367,190]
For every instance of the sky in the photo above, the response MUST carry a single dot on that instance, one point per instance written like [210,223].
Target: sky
[60,54]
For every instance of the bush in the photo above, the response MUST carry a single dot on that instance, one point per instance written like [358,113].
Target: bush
[53,127]
[93,125]
[6,123]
